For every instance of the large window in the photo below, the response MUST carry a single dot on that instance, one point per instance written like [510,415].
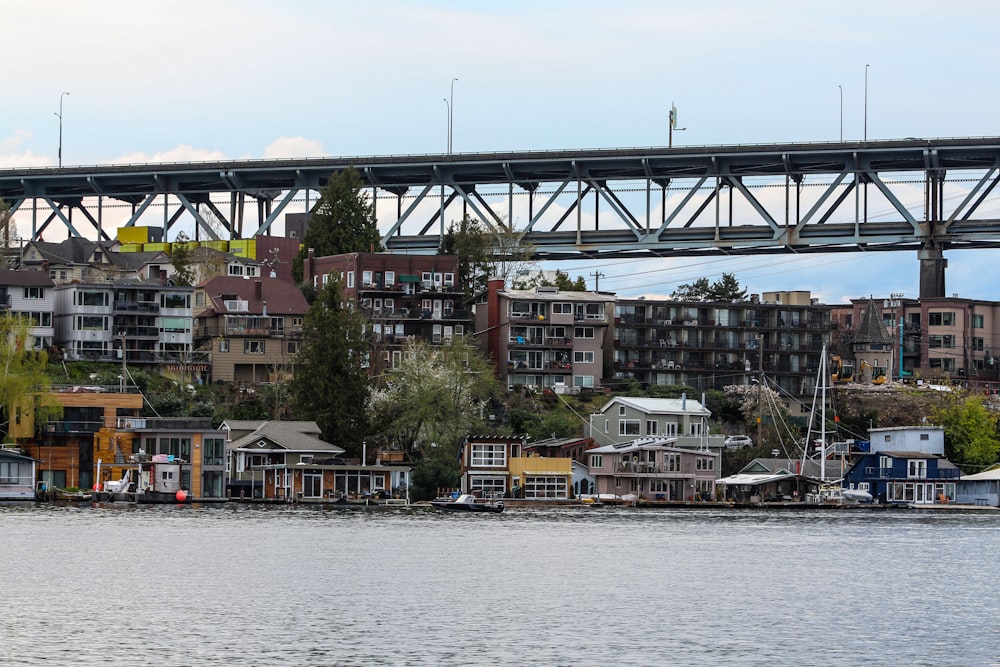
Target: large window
[489,455]
[583,332]
[629,427]
[944,318]
[91,298]
[583,357]
[977,321]
[177,447]
[213,451]
[91,323]
[174,300]
[583,380]
[253,347]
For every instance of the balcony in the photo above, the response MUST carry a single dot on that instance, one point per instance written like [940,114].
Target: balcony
[136,307]
[873,472]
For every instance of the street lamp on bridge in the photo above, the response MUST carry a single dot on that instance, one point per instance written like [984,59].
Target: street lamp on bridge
[59,115]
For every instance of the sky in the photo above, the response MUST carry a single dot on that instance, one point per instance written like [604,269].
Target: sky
[225,79]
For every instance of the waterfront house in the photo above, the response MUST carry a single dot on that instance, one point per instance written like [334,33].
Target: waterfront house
[904,477]
[655,468]
[500,466]
[905,465]
[29,294]
[625,418]
[288,460]
[17,475]
[982,488]
[773,480]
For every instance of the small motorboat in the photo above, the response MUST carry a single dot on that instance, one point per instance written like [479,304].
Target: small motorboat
[467,503]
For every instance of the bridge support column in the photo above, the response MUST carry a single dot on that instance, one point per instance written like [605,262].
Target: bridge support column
[932,266]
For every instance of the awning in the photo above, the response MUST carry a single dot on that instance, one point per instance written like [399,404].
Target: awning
[407,278]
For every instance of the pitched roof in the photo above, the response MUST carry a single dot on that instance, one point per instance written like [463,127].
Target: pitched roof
[287,436]
[282,297]
[871,329]
[26,278]
[659,405]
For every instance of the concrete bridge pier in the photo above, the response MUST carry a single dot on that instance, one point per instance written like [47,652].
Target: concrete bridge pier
[932,266]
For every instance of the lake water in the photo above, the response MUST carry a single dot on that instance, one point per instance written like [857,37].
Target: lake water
[248,585]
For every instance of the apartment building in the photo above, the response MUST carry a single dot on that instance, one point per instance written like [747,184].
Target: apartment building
[30,294]
[135,322]
[546,338]
[404,297]
[711,345]
[933,339]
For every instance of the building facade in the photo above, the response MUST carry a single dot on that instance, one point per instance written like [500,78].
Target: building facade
[252,327]
[654,469]
[711,345]
[404,297]
[546,338]
[31,295]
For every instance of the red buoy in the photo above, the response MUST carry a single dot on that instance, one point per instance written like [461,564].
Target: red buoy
[181,495]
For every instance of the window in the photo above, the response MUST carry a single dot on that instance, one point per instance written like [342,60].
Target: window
[491,455]
[91,323]
[237,270]
[390,278]
[977,321]
[223,345]
[33,293]
[292,347]
[916,469]
[213,451]
[583,332]
[621,410]
[175,324]
[449,279]
[651,426]
[941,319]
[89,298]
[628,427]
[253,347]
[168,300]
[488,487]
[562,309]
[596,461]
[350,279]
[583,357]
[366,278]
[583,380]
[977,343]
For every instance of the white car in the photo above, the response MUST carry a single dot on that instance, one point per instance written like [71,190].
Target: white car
[738,442]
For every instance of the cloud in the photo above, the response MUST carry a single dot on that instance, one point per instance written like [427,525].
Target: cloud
[292,147]
[13,155]
[182,153]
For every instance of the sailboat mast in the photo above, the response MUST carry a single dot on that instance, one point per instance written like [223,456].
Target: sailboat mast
[822,427]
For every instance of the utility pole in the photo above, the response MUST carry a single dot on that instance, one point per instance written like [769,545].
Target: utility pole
[597,280]
[760,384]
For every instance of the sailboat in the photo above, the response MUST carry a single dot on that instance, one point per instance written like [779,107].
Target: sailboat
[832,491]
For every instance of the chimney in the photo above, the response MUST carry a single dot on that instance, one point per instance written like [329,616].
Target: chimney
[258,290]
[307,266]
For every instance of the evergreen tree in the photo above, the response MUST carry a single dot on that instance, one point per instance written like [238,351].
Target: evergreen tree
[330,384]
[727,288]
[343,221]
[180,258]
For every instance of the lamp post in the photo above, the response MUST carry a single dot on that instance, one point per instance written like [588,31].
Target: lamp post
[451,112]
[841,112]
[59,115]
[448,123]
[866,102]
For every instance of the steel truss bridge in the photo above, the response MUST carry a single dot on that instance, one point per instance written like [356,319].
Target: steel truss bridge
[927,195]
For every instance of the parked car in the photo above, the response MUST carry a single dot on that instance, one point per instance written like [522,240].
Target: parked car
[738,442]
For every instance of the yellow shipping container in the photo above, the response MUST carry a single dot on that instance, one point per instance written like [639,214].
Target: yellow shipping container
[185,245]
[130,247]
[216,245]
[156,247]
[244,248]
[133,234]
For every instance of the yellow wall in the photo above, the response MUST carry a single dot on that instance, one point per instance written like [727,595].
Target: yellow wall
[540,465]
